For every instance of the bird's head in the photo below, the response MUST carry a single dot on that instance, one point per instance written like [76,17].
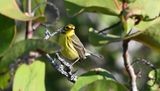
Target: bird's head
[69,30]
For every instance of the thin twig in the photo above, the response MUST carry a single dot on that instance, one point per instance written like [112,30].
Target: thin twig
[146,62]
[129,67]
[110,27]
[29,30]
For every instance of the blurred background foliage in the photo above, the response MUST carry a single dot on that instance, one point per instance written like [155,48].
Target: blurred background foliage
[112,52]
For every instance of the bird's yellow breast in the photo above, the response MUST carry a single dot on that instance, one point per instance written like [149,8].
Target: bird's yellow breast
[68,51]
[70,33]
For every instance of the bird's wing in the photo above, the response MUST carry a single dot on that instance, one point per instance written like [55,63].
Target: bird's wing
[78,46]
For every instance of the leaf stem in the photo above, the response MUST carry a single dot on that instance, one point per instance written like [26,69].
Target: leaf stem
[117,5]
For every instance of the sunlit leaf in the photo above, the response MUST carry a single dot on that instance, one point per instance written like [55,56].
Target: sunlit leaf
[150,35]
[104,85]
[4,80]
[148,9]
[152,85]
[7,33]
[92,76]
[10,9]
[30,77]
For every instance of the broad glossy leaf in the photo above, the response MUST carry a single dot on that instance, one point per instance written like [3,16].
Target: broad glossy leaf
[4,80]
[106,20]
[92,76]
[10,9]
[7,33]
[75,7]
[148,9]
[30,77]
[143,25]
[105,85]
[24,47]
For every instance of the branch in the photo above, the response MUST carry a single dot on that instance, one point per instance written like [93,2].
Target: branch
[61,68]
[29,30]
[110,27]
[129,67]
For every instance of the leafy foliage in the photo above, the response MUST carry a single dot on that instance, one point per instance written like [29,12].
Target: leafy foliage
[154,77]
[97,6]
[136,20]
[149,10]
[24,47]
[4,80]
[7,33]
[94,79]
[136,8]
[27,77]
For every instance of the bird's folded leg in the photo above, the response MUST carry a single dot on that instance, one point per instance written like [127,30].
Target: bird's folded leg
[75,62]
[63,61]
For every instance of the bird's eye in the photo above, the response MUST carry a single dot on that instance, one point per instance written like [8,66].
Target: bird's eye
[70,27]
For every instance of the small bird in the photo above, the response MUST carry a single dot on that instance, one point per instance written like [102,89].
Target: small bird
[72,47]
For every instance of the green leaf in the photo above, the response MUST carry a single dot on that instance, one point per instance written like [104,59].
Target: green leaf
[7,33]
[127,26]
[107,20]
[148,9]
[144,25]
[101,39]
[23,47]
[92,76]
[149,37]
[154,77]
[104,85]
[30,77]
[10,9]
[4,80]
[75,7]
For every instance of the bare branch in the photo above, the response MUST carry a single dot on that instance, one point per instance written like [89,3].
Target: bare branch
[29,30]
[129,67]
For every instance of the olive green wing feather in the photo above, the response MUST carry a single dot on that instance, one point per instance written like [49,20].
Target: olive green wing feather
[79,46]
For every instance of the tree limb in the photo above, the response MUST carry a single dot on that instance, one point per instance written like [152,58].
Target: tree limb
[129,67]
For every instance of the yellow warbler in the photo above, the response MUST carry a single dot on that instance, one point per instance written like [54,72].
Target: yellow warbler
[72,48]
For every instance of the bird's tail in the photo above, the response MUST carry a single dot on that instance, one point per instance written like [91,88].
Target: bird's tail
[89,53]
